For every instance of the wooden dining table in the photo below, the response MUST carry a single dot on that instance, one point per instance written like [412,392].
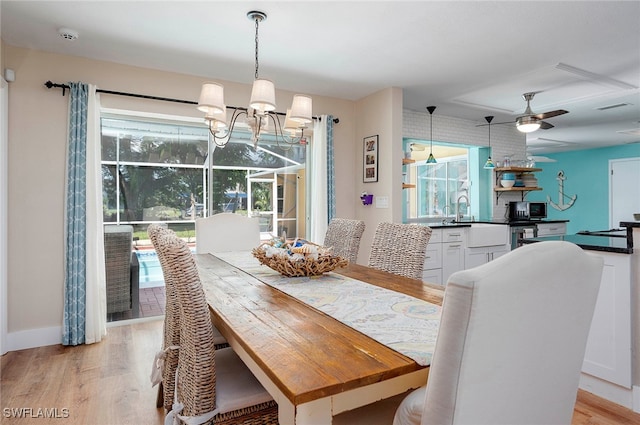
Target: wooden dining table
[314,366]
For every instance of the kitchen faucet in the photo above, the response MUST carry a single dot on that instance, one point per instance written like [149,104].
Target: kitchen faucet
[444,209]
[458,215]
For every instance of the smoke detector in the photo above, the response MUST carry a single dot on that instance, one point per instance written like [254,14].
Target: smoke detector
[68,34]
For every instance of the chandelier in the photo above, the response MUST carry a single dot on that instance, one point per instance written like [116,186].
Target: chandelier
[260,115]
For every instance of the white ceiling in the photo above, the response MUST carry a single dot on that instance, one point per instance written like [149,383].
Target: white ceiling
[469,58]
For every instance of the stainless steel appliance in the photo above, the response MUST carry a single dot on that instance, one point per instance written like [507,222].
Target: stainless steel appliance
[519,211]
[524,210]
[537,210]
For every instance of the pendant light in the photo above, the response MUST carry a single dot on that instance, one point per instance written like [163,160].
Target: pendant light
[431,159]
[261,110]
[489,164]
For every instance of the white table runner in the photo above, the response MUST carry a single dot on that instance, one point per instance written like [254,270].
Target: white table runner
[401,322]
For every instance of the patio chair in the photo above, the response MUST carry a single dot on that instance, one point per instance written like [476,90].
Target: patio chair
[343,235]
[511,341]
[400,249]
[121,270]
[213,385]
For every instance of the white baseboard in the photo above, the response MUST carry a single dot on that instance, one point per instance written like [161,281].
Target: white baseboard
[612,392]
[34,338]
[636,398]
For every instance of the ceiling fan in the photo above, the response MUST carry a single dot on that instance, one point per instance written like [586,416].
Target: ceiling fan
[529,121]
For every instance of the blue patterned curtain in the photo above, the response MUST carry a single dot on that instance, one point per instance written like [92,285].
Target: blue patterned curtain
[331,176]
[76,219]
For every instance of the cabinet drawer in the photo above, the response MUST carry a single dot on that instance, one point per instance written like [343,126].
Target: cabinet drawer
[550,229]
[436,236]
[433,256]
[453,235]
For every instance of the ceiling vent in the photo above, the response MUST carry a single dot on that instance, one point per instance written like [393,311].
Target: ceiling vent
[617,105]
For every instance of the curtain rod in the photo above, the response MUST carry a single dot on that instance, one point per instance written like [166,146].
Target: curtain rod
[65,87]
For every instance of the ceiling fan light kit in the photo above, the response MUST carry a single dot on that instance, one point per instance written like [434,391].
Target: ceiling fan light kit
[527,124]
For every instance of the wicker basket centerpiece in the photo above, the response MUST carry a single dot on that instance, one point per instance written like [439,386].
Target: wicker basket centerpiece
[298,258]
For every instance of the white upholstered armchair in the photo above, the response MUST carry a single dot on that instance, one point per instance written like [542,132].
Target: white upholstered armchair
[511,341]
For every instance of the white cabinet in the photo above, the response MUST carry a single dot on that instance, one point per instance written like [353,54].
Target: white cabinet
[608,353]
[445,255]
[489,243]
[551,229]
[452,259]
[477,256]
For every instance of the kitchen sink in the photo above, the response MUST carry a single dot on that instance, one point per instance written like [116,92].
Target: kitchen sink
[485,234]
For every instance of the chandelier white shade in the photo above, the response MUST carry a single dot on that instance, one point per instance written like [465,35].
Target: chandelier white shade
[211,98]
[216,120]
[290,126]
[263,95]
[301,109]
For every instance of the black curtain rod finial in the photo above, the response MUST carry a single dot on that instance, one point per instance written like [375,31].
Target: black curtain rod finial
[51,85]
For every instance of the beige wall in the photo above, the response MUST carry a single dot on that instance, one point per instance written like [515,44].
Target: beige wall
[381,114]
[37,139]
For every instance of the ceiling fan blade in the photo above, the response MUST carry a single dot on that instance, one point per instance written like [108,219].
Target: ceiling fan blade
[545,125]
[551,114]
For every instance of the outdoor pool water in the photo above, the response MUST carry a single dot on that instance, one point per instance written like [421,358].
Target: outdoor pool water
[150,270]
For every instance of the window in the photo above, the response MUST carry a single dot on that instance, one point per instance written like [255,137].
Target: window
[438,187]
[158,171]
[152,171]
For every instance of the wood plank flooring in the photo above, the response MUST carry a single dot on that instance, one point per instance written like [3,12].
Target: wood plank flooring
[108,384]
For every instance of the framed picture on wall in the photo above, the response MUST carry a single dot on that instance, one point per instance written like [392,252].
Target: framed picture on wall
[370,159]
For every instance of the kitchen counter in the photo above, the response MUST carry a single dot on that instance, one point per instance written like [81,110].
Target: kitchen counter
[618,241]
[468,223]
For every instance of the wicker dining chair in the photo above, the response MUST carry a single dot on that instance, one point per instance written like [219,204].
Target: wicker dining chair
[400,248]
[214,385]
[343,235]
[169,355]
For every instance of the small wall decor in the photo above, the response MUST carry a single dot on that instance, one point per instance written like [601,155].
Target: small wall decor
[561,206]
[370,159]
[367,199]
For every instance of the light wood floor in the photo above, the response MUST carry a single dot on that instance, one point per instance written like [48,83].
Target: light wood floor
[108,384]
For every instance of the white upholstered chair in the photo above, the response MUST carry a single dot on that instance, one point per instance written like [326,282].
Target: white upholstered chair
[226,232]
[511,341]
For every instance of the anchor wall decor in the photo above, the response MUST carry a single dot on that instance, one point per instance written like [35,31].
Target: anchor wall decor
[561,206]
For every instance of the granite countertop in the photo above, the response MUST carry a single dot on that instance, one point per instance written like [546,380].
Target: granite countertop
[617,241]
[594,243]
[468,223]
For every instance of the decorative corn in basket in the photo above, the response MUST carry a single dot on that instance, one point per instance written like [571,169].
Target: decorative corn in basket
[299,258]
